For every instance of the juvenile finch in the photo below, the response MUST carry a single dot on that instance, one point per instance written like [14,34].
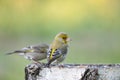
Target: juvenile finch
[58,49]
[34,53]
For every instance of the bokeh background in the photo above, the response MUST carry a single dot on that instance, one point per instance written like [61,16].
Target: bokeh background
[93,25]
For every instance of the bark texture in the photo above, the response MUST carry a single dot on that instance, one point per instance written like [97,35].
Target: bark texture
[38,71]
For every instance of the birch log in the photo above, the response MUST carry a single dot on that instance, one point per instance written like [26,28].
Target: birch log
[73,72]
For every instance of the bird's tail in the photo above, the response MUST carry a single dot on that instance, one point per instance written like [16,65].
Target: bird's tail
[15,52]
[50,61]
[48,64]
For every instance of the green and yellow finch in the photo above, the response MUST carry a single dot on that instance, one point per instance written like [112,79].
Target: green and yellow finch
[34,52]
[58,49]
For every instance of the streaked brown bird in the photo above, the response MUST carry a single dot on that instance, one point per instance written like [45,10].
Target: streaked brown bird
[58,49]
[34,52]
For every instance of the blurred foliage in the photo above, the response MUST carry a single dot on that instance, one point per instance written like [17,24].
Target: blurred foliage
[93,25]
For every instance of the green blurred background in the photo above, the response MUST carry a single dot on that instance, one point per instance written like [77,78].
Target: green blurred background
[93,25]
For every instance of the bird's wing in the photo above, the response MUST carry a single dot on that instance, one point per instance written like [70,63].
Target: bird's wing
[53,54]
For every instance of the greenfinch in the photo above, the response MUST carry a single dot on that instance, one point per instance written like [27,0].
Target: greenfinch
[58,49]
[34,52]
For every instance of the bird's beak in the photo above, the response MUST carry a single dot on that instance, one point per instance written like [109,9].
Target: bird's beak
[69,39]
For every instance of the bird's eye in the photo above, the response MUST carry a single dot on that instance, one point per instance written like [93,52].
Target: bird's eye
[28,46]
[64,38]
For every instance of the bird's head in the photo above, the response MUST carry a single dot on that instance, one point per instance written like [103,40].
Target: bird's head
[62,37]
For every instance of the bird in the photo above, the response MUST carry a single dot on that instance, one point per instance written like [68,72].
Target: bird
[33,52]
[58,49]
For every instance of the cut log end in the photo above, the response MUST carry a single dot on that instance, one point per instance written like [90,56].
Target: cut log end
[38,71]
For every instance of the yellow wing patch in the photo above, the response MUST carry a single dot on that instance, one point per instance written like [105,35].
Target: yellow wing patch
[52,52]
[30,50]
